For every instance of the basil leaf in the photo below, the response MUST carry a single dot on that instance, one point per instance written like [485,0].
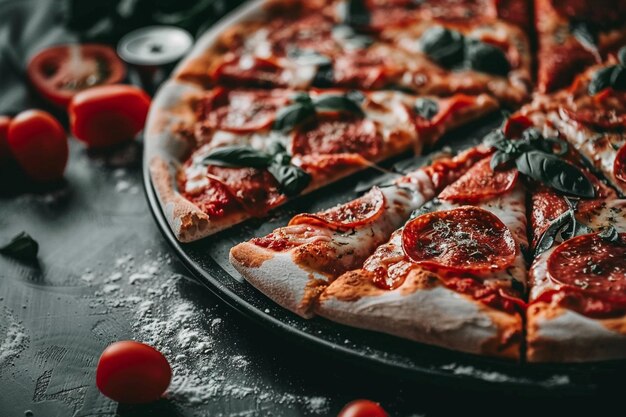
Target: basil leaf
[308,57]
[237,156]
[600,80]
[586,33]
[610,234]
[324,76]
[483,57]
[500,158]
[292,179]
[621,55]
[495,138]
[21,247]
[443,46]
[618,78]
[341,103]
[291,116]
[426,108]
[555,172]
[357,14]
[553,145]
[549,236]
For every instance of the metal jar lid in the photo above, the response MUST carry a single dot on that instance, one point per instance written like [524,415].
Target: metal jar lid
[154,45]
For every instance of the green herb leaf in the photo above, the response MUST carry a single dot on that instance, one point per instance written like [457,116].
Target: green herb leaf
[621,55]
[618,78]
[291,116]
[555,172]
[443,46]
[483,57]
[22,247]
[586,33]
[324,76]
[357,14]
[601,79]
[610,234]
[500,158]
[340,103]
[238,156]
[292,179]
[550,235]
[426,108]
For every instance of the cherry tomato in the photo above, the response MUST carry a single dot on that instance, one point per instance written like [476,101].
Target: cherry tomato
[363,408]
[59,72]
[108,115]
[39,144]
[5,152]
[132,373]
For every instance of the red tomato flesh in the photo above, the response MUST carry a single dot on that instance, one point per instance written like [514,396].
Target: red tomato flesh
[39,144]
[59,72]
[132,373]
[108,115]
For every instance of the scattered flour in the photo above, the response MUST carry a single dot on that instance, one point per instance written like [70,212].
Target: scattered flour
[13,338]
[188,334]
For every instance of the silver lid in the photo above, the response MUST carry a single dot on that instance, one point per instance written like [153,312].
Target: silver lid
[154,45]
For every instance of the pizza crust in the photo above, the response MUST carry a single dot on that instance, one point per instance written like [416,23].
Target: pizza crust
[555,334]
[420,312]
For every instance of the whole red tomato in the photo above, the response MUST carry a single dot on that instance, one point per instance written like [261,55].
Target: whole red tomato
[107,115]
[5,152]
[61,71]
[39,144]
[132,373]
[363,408]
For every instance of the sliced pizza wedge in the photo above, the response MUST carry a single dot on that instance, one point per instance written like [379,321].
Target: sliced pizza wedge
[324,47]
[577,301]
[452,276]
[591,116]
[293,264]
[245,152]
[575,35]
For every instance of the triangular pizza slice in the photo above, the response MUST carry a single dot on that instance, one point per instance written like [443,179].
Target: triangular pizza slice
[247,151]
[293,264]
[452,276]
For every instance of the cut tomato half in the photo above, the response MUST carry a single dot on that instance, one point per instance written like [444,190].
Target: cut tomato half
[59,72]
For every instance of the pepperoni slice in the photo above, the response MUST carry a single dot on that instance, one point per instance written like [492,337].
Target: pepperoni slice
[597,116]
[363,210]
[215,199]
[480,183]
[464,240]
[251,72]
[619,165]
[366,70]
[256,190]
[337,133]
[240,111]
[516,125]
[592,265]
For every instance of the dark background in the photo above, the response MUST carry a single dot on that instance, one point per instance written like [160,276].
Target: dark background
[105,274]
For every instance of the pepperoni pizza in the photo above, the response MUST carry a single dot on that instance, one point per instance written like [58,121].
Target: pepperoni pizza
[515,248]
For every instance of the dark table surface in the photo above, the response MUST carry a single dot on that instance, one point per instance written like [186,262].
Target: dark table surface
[106,274]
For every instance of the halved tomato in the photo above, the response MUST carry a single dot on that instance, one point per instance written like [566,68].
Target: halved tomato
[59,72]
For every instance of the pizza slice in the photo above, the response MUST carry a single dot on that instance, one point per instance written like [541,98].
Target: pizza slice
[577,302]
[293,264]
[245,152]
[452,276]
[575,35]
[591,116]
[307,47]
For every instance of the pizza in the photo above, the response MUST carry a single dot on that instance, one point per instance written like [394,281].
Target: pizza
[340,44]
[314,249]
[513,248]
[591,115]
[573,35]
